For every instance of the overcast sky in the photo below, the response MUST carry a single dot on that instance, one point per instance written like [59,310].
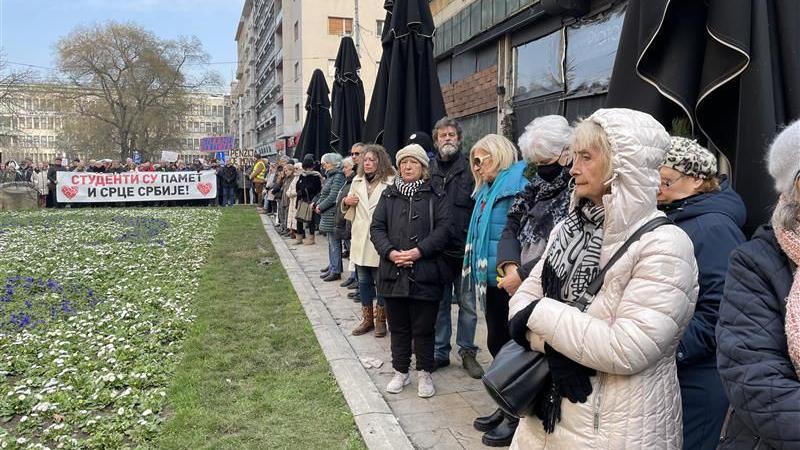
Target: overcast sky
[30,28]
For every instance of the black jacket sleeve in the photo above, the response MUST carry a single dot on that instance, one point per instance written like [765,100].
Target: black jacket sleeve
[509,249]
[379,230]
[434,242]
[752,354]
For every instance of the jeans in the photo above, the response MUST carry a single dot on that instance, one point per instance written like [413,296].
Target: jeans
[367,279]
[228,195]
[334,254]
[467,322]
[412,323]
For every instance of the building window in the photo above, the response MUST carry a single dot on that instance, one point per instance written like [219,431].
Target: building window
[379,27]
[296,71]
[340,26]
[296,31]
[297,112]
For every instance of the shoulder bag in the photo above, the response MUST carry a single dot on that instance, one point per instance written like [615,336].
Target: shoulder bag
[517,376]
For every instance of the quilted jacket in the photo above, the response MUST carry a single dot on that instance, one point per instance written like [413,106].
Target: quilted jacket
[631,330]
[752,355]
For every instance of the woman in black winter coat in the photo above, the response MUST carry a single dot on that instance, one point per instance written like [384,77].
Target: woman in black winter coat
[410,228]
[309,184]
[758,333]
[712,214]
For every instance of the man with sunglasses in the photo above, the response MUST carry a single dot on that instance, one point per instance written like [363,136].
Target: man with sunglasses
[450,171]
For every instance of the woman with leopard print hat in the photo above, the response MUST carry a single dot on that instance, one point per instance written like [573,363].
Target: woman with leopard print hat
[704,205]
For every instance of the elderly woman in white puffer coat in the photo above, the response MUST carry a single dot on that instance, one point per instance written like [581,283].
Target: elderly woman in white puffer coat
[613,374]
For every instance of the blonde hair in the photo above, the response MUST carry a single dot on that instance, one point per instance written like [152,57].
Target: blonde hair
[589,134]
[502,151]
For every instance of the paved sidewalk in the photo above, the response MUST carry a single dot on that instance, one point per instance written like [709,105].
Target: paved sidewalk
[442,422]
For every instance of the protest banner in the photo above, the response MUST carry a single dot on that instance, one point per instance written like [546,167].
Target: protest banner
[169,156]
[87,187]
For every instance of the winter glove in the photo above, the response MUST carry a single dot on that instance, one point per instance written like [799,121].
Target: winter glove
[571,378]
[518,326]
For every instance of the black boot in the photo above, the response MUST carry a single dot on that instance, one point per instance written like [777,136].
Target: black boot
[502,435]
[490,422]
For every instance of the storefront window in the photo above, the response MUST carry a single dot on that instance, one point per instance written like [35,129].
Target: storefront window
[591,50]
[538,67]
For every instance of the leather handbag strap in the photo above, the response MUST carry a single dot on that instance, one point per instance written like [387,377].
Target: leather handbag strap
[587,297]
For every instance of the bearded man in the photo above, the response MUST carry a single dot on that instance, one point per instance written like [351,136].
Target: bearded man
[450,171]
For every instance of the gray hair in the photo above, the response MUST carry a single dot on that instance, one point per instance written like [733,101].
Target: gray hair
[332,158]
[787,212]
[348,162]
[445,122]
[545,139]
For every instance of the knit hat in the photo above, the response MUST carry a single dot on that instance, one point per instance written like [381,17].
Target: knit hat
[690,158]
[783,160]
[415,151]
[423,140]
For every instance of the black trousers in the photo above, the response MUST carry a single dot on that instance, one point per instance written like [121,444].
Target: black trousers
[496,319]
[412,321]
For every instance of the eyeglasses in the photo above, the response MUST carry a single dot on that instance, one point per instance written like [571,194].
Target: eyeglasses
[477,161]
[667,183]
[355,153]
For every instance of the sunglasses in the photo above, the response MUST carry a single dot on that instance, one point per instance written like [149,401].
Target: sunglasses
[477,161]
[355,153]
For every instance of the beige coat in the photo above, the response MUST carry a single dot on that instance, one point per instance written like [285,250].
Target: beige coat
[631,330]
[362,252]
[291,194]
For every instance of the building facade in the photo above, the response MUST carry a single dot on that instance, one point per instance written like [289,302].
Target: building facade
[32,121]
[280,44]
[502,63]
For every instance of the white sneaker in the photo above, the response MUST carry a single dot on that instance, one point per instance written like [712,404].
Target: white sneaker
[425,387]
[399,381]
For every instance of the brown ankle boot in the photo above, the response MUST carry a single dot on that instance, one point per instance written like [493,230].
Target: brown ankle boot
[380,321]
[367,322]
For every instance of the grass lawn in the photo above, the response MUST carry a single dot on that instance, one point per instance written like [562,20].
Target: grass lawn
[252,373]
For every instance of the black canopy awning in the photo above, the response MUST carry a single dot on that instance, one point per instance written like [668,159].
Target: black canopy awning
[731,67]
[407,96]
[347,99]
[315,139]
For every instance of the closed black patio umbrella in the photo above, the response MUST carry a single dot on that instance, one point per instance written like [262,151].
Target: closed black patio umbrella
[315,139]
[347,100]
[407,95]
[732,67]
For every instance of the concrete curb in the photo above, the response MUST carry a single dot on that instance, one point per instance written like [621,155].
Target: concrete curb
[375,420]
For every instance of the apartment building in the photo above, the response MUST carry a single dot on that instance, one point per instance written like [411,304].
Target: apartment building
[31,123]
[280,43]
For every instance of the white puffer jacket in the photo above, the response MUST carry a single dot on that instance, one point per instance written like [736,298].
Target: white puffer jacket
[631,330]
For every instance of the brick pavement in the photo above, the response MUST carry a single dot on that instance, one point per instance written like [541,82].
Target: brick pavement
[442,422]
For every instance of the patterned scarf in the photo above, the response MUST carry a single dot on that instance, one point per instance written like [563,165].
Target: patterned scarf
[407,189]
[542,205]
[789,241]
[574,258]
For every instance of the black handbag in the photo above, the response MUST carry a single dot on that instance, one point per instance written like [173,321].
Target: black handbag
[517,376]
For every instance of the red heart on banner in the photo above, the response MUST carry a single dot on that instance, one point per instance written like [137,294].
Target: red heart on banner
[205,188]
[69,191]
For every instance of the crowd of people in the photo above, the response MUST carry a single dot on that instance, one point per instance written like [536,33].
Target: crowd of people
[234,185]
[693,340]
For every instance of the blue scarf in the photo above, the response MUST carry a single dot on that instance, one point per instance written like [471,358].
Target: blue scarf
[475,268]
